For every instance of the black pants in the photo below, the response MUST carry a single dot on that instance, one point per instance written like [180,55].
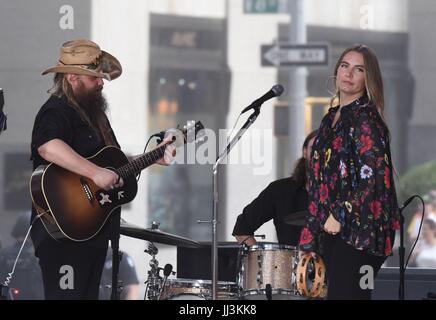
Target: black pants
[343,266]
[70,271]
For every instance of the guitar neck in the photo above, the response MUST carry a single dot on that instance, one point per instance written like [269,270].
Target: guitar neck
[147,159]
[140,163]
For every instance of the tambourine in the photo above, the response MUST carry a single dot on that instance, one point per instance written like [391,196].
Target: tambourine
[318,289]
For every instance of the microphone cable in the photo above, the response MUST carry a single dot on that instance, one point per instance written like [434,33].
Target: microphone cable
[11,274]
[145,148]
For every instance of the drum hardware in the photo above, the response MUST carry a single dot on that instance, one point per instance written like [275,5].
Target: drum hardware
[261,236]
[259,278]
[243,252]
[192,289]
[155,225]
[153,234]
[154,282]
[152,289]
[268,292]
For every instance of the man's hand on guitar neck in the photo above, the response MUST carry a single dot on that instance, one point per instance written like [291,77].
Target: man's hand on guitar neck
[170,151]
[169,157]
[166,160]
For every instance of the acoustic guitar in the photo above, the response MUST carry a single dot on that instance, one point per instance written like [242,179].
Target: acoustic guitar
[74,207]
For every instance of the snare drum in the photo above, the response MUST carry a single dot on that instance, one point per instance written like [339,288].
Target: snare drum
[268,267]
[191,289]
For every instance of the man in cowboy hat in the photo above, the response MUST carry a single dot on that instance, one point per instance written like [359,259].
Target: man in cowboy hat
[69,127]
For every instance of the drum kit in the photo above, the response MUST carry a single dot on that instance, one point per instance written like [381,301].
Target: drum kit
[266,271]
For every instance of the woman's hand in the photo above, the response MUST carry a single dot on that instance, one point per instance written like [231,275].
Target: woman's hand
[332,226]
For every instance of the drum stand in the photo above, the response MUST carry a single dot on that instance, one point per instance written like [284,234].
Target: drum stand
[153,283]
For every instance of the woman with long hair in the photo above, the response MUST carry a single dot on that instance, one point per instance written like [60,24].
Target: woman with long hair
[353,211]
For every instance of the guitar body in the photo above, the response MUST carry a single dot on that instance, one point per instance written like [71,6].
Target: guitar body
[74,207]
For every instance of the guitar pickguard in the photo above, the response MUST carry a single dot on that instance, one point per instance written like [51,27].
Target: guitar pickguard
[111,197]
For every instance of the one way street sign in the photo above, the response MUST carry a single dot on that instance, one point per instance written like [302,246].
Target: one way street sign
[288,55]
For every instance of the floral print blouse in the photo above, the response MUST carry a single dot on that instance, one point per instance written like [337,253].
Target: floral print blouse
[351,178]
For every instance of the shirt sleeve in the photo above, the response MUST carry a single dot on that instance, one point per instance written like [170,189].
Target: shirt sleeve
[254,215]
[367,195]
[53,123]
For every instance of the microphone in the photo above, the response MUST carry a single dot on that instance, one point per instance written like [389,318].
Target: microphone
[407,202]
[275,91]
[166,271]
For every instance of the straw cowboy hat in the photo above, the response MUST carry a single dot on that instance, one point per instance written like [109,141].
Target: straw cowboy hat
[86,57]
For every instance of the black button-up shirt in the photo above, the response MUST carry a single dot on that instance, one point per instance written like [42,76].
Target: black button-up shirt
[280,199]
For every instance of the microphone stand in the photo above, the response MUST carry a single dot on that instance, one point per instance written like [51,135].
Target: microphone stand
[214,221]
[401,253]
[401,248]
[116,256]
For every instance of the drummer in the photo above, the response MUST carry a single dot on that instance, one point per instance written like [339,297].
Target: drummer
[279,200]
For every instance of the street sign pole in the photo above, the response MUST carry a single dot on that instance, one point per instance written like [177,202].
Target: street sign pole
[297,82]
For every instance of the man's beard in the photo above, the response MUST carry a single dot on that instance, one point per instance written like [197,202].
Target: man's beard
[92,102]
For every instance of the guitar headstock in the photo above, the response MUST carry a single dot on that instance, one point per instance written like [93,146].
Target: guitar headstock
[193,131]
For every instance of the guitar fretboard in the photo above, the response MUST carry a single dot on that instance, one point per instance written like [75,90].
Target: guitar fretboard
[147,159]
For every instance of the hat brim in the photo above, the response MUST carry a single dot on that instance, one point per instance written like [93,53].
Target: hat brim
[110,68]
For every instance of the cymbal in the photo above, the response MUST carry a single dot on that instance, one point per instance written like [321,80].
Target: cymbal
[157,236]
[296,218]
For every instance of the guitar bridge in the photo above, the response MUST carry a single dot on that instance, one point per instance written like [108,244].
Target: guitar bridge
[87,190]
